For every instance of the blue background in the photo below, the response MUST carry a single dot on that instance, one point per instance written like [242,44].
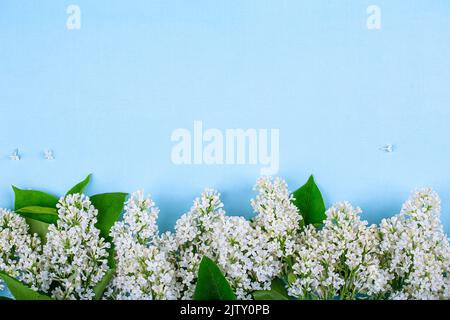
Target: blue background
[106,98]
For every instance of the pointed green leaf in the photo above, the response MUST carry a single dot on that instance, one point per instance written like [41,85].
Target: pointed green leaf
[20,291]
[111,253]
[79,188]
[100,287]
[291,278]
[38,227]
[29,198]
[268,295]
[44,214]
[309,201]
[211,283]
[277,292]
[109,206]
[279,286]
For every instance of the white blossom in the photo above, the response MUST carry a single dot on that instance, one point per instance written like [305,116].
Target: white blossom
[405,257]
[246,256]
[143,269]
[194,236]
[415,249]
[19,250]
[276,215]
[341,259]
[75,256]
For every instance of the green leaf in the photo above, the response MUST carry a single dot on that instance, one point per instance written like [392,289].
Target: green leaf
[279,286]
[211,283]
[5,298]
[291,278]
[38,227]
[79,188]
[100,287]
[111,253]
[309,201]
[268,295]
[44,214]
[30,198]
[277,292]
[109,206]
[20,291]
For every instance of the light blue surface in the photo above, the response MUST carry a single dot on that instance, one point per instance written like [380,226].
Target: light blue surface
[107,97]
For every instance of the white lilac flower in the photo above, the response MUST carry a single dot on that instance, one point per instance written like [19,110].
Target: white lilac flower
[416,250]
[341,259]
[407,257]
[276,215]
[194,236]
[251,254]
[75,255]
[19,250]
[245,256]
[143,269]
